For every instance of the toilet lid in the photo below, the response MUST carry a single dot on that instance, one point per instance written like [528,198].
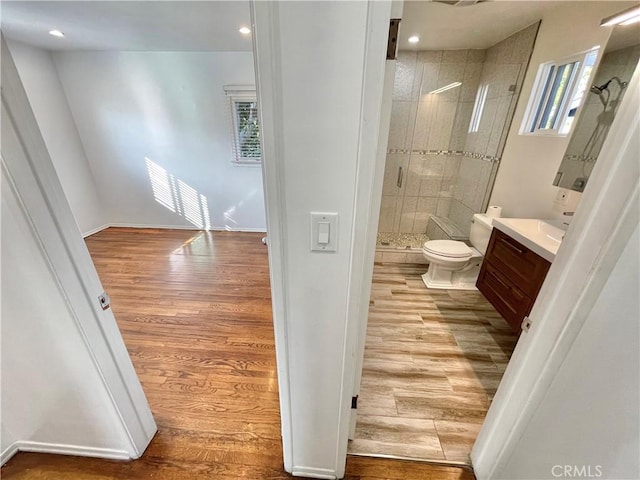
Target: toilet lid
[448,248]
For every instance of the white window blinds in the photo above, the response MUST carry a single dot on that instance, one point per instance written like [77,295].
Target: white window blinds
[244,122]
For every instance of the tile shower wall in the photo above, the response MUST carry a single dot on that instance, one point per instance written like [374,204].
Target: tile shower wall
[503,73]
[425,130]
[434,166]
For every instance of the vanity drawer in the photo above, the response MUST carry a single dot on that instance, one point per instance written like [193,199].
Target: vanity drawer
[524,267]
[511,302]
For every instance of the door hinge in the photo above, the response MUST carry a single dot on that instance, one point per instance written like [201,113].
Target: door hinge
[354,402]
[392,43]
[526,324]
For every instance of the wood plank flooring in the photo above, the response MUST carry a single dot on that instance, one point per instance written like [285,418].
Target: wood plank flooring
[195,313]
[433,361]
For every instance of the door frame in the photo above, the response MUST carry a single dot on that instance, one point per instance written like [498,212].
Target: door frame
[36,184]
[375,113]
[374,197]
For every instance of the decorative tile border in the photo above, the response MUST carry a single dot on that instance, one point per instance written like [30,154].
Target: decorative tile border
[425,152]
[478,156]
[579,158]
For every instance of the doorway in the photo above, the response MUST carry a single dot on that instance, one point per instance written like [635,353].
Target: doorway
[434,357]
[193,305]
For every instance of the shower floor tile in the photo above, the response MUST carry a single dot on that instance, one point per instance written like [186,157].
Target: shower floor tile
[433,361]
[401,240]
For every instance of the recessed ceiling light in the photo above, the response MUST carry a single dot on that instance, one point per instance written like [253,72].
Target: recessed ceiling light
[414,39]
[56,33]
[245,30]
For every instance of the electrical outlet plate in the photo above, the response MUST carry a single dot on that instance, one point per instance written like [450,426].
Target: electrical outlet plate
[562,197]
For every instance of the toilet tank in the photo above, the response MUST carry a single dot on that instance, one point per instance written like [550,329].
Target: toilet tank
[480,232]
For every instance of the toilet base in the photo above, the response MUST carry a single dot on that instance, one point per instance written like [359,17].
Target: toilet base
[443,279]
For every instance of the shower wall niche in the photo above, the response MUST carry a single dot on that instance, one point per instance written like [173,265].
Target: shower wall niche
[451,112]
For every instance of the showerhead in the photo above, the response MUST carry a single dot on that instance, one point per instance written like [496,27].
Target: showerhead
[605,86]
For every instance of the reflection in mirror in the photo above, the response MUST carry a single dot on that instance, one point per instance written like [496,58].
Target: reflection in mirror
[614,73]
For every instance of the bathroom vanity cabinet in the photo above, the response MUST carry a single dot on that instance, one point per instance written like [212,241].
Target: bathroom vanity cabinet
[511,276]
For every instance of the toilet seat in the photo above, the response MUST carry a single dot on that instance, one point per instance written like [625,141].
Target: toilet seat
[448,248]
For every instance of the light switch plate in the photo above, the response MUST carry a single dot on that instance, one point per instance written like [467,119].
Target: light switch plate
[330,218]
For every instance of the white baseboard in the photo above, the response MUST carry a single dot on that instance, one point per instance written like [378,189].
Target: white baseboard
[8,452]
[311,472]
[161,227]
[61,449]
[248,230]
[184,227]
[95,230]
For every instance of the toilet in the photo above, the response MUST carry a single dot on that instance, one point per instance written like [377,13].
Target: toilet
[454,265]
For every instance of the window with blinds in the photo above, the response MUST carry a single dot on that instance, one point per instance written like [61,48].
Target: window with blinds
[245,125]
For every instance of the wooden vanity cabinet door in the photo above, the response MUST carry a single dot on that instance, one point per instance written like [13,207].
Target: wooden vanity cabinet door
[510,277]
[522,266]
[506,297]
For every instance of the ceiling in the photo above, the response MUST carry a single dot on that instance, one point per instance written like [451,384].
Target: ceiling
[213,25]
[129,25]
[443,27]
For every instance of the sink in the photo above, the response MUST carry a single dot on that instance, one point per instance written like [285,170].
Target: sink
[542,236]
[552,232]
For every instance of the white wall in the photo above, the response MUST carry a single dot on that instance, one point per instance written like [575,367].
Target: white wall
[529,163]
[58,129]
[52,393]
[169,107]
[590,414]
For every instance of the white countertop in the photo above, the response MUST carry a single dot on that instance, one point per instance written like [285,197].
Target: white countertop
[540,236]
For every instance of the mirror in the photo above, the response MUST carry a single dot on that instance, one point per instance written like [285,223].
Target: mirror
[603,100]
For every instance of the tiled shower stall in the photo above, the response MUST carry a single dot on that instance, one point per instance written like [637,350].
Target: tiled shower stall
[444,147]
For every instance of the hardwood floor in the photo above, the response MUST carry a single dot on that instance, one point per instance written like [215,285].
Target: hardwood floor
[433,361]
[195,313]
